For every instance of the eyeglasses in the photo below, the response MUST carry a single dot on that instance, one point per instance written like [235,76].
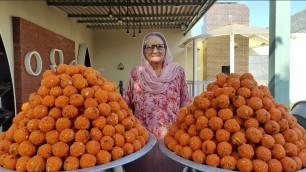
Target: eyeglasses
[150,48]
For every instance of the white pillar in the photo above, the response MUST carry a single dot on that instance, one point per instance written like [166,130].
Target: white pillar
[232,53]
[195,67]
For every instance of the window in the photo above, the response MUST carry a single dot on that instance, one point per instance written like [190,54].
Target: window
[226,69]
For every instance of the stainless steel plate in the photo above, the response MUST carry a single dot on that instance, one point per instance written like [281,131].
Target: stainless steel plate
[150,144]
[192,164]
[187,162]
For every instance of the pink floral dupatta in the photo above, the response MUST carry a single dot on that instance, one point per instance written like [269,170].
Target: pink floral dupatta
[147,76]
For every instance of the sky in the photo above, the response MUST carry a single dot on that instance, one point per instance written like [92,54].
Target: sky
[259,10]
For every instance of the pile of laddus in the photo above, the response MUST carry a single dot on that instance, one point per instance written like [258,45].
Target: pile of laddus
[237,125]
[76,119]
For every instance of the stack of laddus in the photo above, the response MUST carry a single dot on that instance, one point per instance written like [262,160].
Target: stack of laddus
[237,125]
[76,119]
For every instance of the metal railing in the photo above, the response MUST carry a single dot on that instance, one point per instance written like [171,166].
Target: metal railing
[197,87]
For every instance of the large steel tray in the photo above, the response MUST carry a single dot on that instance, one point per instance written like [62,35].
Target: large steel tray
[191,164]
[187,162]
[150,144]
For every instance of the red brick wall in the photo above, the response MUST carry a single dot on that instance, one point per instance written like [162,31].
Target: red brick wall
[28,37]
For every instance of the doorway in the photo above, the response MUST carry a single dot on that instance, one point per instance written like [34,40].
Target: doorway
[87,59]
[7,103]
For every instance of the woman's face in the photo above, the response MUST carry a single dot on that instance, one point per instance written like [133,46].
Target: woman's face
[154,49]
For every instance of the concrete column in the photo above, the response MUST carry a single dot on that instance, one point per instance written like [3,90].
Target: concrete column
[232,53]
[279,52]
[195,67]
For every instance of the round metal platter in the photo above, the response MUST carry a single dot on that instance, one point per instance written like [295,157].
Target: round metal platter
[187,162]
[192,164]
[150,144]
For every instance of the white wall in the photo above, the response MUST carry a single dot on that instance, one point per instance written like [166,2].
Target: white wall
[259,64]
[40,13]
[298,67]
[112,47]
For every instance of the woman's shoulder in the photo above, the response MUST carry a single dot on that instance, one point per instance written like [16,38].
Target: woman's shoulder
[134,71]
[180,69]
[176,65]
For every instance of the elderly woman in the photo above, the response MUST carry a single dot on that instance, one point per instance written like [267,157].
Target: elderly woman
[156,91]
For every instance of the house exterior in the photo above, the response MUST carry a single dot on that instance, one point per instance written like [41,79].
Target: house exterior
[298,57]
[254,59]
[213,53]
